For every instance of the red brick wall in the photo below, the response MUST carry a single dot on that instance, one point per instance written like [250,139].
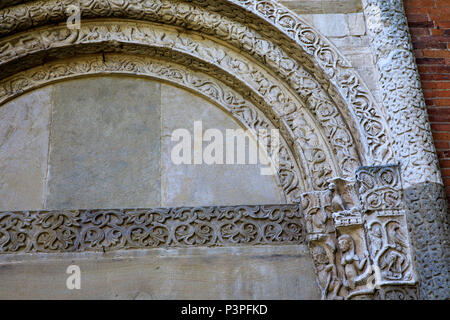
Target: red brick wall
[429,23]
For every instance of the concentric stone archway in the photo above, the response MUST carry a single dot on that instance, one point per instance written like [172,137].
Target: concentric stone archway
[328,151]
[269,68]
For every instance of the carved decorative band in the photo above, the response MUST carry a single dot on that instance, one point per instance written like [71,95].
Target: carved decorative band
[380,188]
[106,230]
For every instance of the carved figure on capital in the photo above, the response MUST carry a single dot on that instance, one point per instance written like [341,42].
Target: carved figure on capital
[354,266]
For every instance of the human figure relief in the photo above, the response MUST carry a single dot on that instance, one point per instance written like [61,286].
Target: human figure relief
[353,265]
[316,217]
[393,264]
[327,274]
[59,37]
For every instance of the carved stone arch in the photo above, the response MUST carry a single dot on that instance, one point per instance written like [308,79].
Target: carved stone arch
[326,148]
[218,19]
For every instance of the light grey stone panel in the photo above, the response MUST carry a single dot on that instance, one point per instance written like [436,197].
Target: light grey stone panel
[323,6]
[24,132]
[105,144]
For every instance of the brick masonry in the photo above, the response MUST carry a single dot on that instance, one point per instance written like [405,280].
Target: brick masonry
[429,23]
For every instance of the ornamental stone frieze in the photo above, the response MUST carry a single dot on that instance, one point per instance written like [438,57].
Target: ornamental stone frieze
[107,230]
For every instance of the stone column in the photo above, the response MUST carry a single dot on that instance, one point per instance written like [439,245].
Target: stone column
[404,105]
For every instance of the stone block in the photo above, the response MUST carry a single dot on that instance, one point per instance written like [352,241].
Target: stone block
[356,24]
[105,144]
[24,134]
[331,25]
[323,6]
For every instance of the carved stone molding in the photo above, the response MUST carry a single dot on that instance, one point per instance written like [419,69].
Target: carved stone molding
[336,236]
[381,194]
[107,230]
[345,263]
[25,50]
[8,3]
[358,237]
[380,188]
[398,293]
[427,215]
[268,89]
[402,94]
[358,253]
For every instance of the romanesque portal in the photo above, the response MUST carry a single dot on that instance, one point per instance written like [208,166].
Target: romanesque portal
[355,209]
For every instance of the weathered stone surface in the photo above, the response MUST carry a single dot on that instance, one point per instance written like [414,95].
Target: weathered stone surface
[105,144]
[204,184]
[116,229]
[332,25]
[269,272]
[338,25]
[323,6]
[347,31]
[24,134]
[403,100]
